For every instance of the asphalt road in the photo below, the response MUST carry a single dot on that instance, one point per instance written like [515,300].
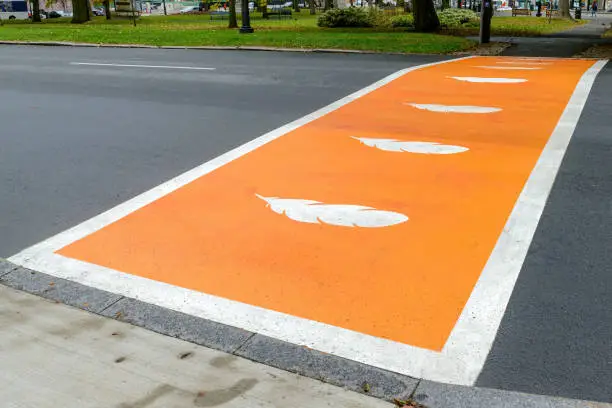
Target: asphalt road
[76,140]
[556,336]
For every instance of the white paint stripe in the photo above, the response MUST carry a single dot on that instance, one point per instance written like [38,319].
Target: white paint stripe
[509,68]
[142,66]
[475,331]
[490,80]
[463,356]
[454,108]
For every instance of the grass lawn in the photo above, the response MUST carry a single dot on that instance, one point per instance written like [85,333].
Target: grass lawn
[300,31]
[199,30]
[521,26]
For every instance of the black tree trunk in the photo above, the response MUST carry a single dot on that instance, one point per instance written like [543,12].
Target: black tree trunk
[425,17]
[107,10]
[36,11]
[80,11]
[233,21]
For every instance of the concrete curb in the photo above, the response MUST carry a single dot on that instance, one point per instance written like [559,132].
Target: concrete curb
[205,47]
[473,51]
[297,359]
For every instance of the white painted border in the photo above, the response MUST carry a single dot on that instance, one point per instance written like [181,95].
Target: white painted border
[465,352]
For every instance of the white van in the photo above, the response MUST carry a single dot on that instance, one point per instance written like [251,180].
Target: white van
[12,9]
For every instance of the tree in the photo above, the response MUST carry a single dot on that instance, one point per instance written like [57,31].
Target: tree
[425,17]
[263,6]
[445,4]
[36,11]
[328,5]
[564,8]
[233,21]
[107,10]
[80,11]
[296,6]
[313,7]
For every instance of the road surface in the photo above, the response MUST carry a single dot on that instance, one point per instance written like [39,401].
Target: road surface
[87,129]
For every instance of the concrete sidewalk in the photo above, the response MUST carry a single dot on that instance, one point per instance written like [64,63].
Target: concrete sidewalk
[55,356]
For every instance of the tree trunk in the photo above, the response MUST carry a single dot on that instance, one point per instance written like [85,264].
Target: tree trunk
[425,17]
[264,9]
[564,8]
[107,10]
[296,6]
[328,5]
[445,4]
[36,11]
[313,7]
[233,21]
[80,11]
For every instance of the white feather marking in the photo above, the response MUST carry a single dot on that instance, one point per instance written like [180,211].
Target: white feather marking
[490,80]
[345,215]
[393,145]
[454,108]
[509,68]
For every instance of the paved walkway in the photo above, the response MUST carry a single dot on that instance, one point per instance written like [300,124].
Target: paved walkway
[55,356]
[565,44]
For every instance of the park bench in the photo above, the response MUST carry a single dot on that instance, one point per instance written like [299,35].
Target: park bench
[520,12]
[282,13]
[219,13]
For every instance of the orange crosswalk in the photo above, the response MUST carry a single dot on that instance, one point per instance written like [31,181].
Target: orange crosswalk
[378,217]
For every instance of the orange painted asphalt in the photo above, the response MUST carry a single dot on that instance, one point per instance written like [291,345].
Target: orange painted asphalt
[407,282]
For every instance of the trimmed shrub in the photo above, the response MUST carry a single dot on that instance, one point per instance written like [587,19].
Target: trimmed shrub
[379,19]
[404,20]
[348,17]
[453,17]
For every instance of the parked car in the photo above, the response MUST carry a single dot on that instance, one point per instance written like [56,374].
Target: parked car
[58,14]
[43,14]
[189,9]
[98,12]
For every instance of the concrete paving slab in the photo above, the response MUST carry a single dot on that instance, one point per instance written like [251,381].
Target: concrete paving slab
[56,356]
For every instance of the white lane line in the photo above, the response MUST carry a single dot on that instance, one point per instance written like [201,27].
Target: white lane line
[508,68]
[489,80]
[473,335]
[96,64]
[454,108]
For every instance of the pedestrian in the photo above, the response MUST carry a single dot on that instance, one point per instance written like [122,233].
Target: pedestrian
[594,9]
